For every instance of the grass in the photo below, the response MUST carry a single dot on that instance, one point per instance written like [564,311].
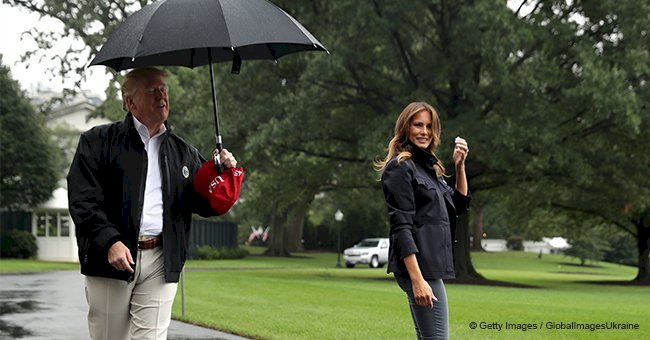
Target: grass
[308,298]
[19,266]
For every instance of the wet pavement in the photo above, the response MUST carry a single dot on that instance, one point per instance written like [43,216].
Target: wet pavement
[52,306]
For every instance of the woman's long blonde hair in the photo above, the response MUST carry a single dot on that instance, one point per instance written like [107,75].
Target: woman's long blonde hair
[398,145]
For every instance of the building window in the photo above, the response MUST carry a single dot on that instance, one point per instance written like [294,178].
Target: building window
[64,220]
[40,224]
[52,225]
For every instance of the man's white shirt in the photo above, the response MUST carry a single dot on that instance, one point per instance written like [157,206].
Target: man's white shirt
[151,222]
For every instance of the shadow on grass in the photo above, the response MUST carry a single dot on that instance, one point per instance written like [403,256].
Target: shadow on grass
[580,273]
[617,283]
[475,282]
[579,265]
[493,283]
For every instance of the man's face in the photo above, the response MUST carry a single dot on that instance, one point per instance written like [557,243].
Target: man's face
[150,103]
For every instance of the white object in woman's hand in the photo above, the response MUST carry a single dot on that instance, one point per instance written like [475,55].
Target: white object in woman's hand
[460,151]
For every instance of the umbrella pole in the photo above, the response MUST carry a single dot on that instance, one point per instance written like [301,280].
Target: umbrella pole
[217,160]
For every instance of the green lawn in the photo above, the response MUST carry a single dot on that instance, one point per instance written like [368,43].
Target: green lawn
[308,298]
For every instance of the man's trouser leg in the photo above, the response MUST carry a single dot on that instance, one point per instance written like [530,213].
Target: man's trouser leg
[138,310]
[108,308]
[152,298]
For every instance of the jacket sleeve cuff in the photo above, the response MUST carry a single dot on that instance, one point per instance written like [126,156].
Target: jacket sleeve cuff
[406,244]
[107,237]
[461,202]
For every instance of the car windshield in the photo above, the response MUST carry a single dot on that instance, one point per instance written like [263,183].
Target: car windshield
[368,243]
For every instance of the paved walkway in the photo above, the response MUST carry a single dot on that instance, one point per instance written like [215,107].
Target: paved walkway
[52,306]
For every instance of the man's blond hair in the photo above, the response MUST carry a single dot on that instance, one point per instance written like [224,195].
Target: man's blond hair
[134,78]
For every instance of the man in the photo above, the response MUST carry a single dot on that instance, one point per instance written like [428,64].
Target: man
[131,199]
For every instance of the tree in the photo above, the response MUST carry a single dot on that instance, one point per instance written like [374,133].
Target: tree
[622,249]
[28,171]
[552,96]
[587,249]
[593,165]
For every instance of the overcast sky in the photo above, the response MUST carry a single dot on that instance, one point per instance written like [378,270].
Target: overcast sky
[33,74]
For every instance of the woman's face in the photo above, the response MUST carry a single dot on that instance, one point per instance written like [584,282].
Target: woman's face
[420,132]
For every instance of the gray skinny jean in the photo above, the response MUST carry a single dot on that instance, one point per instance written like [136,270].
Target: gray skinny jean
[429,323]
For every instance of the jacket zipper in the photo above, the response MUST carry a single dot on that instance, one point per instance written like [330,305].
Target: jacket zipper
[166,184]
[166,180]
[143,181]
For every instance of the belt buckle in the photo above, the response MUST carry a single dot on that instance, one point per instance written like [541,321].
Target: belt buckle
[145,241]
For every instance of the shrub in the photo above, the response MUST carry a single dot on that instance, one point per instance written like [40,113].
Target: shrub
[18,244]
[587,247]
[208,253]
[515,243]
[622,250]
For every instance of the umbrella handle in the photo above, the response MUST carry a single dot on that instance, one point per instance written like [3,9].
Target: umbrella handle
[217,163]
[217,159]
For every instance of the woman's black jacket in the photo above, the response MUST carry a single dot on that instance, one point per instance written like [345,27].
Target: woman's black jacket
[422,210]
[106,192]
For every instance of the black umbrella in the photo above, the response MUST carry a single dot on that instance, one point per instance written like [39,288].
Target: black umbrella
[197,32]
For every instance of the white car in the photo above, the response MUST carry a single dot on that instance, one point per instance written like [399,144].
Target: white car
[371,251]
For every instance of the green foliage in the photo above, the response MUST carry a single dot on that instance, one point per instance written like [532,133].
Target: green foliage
[587,248]
[364,216]
[28,164]
[208,253]
[622,250]
[515,243]
[19,244]
[552,98]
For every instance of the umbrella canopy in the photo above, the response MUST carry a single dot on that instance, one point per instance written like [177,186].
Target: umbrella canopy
[198,32]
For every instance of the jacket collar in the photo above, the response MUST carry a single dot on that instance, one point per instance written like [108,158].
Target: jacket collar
[423,157]
[128,120]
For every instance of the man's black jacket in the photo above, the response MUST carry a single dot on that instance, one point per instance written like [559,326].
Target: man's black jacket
[422,210]
[106,193]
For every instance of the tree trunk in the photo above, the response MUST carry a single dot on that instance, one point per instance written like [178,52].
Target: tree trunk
[643,243]
[295,224]
[297,213]
[462,258]
[477,209]
[276,235]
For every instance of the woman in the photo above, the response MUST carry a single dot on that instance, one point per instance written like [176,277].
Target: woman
[422,209]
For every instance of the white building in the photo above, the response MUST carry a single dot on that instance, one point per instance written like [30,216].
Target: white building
[54,229]
[548,245]
[491,244]
[51,222]
[73,113]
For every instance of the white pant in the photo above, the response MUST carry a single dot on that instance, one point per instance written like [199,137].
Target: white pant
[142,309]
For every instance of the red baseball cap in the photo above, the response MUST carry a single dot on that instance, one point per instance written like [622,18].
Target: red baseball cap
[222,189]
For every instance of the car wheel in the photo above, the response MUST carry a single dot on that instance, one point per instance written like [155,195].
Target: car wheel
[374,262]
[349,265]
